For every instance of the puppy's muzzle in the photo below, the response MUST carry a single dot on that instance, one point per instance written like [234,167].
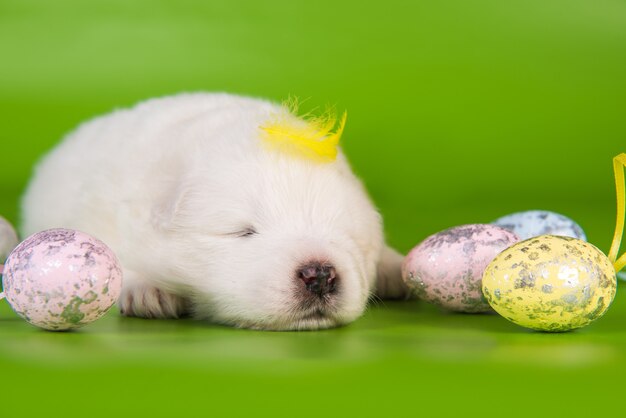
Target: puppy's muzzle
[318,278]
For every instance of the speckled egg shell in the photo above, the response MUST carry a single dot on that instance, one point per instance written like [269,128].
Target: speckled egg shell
[61,279]
[533,223]
[446,268]
[550,283]
[8,239]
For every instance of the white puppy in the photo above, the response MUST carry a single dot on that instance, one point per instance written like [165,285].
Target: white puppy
[207,219]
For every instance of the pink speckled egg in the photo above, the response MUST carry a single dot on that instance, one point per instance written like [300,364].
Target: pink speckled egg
[447,268]
[61,279]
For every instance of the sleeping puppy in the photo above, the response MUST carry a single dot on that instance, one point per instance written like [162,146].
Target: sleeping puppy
[209,218]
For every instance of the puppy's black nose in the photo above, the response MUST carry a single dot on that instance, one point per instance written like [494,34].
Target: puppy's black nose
[318,278]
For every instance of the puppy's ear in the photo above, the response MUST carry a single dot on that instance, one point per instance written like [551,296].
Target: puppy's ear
[389,283]
[168,209]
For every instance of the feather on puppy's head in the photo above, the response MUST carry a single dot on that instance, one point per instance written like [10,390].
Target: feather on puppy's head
[307,136]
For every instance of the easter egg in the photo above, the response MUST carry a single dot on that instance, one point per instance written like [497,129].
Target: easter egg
[550,283]
[8,239]
[533,223]
[446,268]
[61,279]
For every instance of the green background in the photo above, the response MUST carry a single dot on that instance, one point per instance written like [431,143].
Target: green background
[459,111]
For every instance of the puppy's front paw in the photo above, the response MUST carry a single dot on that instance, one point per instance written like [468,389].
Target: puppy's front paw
[146,301]
[390,284]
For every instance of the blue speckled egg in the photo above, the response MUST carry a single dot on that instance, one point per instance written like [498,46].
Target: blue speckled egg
[532,223]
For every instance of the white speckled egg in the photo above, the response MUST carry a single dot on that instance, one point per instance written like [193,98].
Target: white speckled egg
[550,283]
[8,239]
[61,279]
[533,223]
[446,268]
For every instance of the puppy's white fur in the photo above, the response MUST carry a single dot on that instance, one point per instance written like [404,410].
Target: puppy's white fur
[177,185]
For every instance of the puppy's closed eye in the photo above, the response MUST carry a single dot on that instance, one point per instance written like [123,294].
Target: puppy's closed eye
[245,232]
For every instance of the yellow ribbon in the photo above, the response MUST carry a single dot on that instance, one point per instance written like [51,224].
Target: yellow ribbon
[619,163]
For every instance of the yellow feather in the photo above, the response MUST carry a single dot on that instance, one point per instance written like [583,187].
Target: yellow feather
[307,136]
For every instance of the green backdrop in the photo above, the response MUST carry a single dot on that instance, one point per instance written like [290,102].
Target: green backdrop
[459,111]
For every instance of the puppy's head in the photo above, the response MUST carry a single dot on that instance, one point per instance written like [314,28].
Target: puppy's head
[265,239]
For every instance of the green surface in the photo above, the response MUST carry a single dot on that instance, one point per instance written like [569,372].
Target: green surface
[459,112]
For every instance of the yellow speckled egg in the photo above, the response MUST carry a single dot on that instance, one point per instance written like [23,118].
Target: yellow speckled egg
[550,283]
